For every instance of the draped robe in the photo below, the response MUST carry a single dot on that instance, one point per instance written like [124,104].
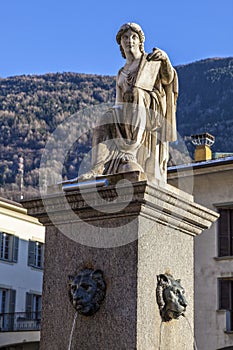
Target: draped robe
[139,126]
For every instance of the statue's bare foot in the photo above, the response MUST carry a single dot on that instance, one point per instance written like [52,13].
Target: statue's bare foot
[87,176]
[130,166]
[129,163]
[92,174]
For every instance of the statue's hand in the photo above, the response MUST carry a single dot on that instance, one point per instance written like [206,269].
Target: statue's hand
[157,55]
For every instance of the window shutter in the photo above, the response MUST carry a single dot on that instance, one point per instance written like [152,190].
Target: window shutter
[29,304]
[11,309]
[15,249]
[0,245]
[231,231]
[224,294]
[223,229]
[31,253]
[42,256]
[12,295]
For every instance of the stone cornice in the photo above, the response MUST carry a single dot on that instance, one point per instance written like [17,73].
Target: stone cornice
[126,200]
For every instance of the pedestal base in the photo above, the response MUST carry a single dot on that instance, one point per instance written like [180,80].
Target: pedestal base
[132,233]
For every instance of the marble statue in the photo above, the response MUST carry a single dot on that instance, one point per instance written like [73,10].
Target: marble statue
[134,134]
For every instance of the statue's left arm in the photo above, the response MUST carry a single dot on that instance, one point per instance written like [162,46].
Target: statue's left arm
[170,83]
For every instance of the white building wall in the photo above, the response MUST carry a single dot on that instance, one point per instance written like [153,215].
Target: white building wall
[19,276]
[212,186]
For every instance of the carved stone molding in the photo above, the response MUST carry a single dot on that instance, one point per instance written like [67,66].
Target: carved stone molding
[166,205]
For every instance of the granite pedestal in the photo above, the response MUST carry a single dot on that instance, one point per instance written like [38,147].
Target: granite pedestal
[132,232]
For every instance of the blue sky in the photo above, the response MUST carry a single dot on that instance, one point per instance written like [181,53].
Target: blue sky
[41,36]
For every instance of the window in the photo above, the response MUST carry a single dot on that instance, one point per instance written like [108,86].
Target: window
[225,232]
[33,306]
[7,300]
[9,246]
[7,308]
[36,254]
[226,301]
[225,294]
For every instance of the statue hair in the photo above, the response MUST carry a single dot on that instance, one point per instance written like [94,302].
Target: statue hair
[137,29]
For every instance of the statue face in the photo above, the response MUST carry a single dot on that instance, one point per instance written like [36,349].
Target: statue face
[130,41]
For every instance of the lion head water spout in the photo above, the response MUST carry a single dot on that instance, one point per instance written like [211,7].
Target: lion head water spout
[87,291]
[170,297]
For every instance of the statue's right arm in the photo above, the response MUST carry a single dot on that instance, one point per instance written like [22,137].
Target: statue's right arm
[119,97]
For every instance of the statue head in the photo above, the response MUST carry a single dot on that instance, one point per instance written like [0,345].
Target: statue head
[87,291]
[134,27]
[170,297]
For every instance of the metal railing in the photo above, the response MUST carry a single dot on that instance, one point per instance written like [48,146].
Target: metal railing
[229,320]
[20,321]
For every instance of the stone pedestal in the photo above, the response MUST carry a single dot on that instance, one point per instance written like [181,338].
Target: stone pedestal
[132,232]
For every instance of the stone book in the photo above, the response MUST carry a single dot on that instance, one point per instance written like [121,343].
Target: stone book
[147,74]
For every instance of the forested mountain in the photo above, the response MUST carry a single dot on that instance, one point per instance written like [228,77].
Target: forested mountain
[206,100]
[31,107]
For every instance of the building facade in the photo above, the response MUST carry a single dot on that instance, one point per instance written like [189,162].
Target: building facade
[211,183]
[21,274]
